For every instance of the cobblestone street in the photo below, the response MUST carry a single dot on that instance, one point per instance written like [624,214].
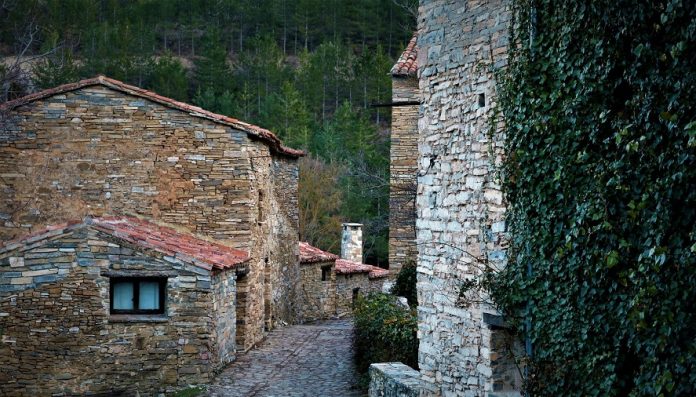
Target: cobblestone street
[303,360]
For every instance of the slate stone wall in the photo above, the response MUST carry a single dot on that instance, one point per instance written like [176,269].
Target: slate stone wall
[284,236]
[347,283]
[97,151]
[58,336]
[403,167]
[318,296]
[224,300]
[460,210]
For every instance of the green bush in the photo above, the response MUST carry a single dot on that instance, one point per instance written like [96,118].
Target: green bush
[384,331]
[405,284]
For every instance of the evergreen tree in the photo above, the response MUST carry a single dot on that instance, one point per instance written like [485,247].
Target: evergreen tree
[211,70]
[168,78]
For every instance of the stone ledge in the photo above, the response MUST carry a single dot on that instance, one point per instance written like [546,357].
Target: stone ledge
[395,380]
[138,318]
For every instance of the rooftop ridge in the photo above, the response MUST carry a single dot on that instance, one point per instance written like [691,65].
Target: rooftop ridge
[269,137]
[185,246]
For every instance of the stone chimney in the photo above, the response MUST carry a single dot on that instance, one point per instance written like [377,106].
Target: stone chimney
[351,242]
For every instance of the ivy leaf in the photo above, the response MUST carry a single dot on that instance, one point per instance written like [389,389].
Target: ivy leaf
[612,259]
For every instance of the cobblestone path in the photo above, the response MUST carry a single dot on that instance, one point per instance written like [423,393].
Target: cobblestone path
[303,360]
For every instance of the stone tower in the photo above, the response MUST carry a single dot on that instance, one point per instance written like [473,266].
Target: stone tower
[403,164]
[460,210]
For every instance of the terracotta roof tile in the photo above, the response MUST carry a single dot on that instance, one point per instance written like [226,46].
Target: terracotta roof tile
[309,254]
[182,245]
[169,241]
[407,65]
[196,111]
[344,266]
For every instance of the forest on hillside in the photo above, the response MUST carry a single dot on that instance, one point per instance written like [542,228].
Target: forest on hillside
[309,70]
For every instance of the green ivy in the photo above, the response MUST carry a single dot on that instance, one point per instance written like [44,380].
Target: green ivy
[599,103]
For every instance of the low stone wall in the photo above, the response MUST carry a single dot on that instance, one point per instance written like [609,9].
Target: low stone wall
[395,380]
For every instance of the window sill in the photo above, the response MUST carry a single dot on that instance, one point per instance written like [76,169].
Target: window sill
[138,318]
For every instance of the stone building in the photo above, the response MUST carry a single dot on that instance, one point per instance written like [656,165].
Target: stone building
[354,279]
[460,212]
[101,147]
[352,276]
[403,165]
[330,284]
[318,272]
[114,305]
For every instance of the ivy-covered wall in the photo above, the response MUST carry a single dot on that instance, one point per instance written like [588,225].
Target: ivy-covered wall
[600,112]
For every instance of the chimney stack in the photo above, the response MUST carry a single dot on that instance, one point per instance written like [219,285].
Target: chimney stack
[351,242]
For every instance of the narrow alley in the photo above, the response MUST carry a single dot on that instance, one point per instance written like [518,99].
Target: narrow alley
[302,360]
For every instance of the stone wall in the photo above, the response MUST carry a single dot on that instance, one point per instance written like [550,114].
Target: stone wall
[58,336]
[97,150]
[284,236]
[394,380]
[460,211]
[318,290]
[403,167]
[224,300]
[348,285]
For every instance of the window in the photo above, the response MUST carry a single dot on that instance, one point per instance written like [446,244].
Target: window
[482,100]
[140,295]
[325,273]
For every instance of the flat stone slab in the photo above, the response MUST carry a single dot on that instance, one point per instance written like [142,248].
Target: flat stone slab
[302,360]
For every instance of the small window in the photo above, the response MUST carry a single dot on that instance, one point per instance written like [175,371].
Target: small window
[356,294]
[482,100]
[137,295]
[325,273]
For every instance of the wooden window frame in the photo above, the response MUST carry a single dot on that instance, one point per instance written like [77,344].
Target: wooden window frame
[136,294]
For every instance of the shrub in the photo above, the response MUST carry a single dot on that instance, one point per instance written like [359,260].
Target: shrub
[384,331]
[405,284]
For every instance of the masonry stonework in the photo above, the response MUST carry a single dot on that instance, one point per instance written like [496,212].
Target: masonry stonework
[351,283]
[352,242]
[58,336]
[403,164]
[460,210]
[103,147]
[318,290]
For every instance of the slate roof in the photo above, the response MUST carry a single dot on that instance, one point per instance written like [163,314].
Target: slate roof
[407,65]
[146,234]
[344,266]
[253,130]
[309,254]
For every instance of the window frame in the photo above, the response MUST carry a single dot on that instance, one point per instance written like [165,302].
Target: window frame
[162,281]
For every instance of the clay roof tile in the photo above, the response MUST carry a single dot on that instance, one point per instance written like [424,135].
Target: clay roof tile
[146,234]
[309,254]
[344,266]
[407,65]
